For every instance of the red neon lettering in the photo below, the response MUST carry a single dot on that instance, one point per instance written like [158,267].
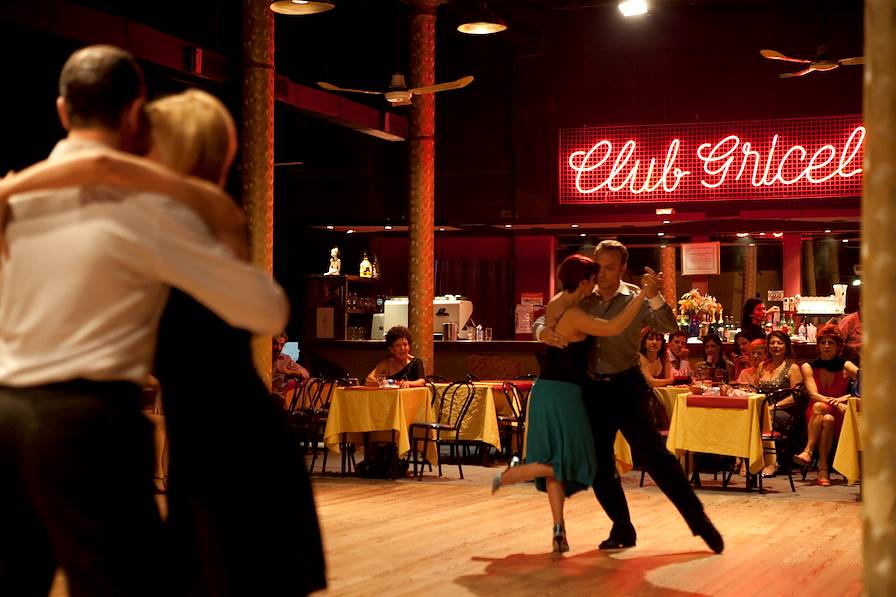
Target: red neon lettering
[594,171]
[579,162]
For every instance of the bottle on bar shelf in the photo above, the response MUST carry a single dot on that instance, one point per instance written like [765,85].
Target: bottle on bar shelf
[366,269]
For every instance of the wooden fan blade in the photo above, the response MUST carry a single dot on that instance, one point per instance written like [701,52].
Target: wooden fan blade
[797,74]
[773,55]
[462,82]
[331,87]
[851,61]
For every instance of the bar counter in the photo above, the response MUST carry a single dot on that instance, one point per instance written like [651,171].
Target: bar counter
[497,359]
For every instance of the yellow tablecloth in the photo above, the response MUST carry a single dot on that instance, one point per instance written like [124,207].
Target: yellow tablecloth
[728,431]
[667,396]
[849,445]
[359,411]
[481,422]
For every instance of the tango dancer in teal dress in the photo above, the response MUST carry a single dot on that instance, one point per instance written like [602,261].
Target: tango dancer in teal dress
[559,446]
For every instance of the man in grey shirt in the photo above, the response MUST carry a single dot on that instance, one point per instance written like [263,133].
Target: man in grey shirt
[618,399]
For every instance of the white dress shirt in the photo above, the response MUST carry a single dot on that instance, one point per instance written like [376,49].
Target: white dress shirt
[89,274]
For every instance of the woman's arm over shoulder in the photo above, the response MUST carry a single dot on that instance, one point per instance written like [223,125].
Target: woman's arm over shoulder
[593,326]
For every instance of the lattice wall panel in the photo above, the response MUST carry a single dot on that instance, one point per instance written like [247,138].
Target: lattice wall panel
[757,159]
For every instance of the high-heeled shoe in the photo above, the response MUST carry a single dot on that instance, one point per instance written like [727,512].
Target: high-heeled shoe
[560,544]
[823,479]
[770,471]
[808,461]
[497,480]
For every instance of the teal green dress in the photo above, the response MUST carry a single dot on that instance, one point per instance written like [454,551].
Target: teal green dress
[558,430]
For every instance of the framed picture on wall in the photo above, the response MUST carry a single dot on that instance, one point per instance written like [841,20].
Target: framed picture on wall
[700,259]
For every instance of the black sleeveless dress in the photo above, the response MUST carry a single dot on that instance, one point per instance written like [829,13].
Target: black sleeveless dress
[558,431]
[241,515]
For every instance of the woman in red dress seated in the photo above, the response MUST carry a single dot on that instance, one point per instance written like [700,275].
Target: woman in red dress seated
[827,380]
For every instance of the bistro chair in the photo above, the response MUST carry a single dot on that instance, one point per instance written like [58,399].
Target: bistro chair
[451,409]
[513,427]
[780,441]
[314,407]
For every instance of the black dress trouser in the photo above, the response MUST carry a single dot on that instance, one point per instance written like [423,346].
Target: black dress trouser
[622,402]
[76,462]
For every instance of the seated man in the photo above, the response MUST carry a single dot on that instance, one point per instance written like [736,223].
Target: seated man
[284,367]
[678,354]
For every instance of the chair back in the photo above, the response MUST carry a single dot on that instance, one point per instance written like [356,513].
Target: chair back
[454,403]
[295,400]
[516,399]
[318,393]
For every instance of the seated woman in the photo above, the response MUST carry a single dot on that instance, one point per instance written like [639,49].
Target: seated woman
[400,365]
[779,372]
[757,351]
[654,359]
[714,365]
[741,354]
[826,379]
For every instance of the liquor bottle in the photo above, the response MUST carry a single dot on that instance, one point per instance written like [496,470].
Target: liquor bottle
[366,268]
[375,267]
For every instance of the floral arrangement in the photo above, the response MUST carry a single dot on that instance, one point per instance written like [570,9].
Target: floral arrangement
[693,302]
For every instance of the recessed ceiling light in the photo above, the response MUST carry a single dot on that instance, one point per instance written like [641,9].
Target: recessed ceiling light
[846,240]
[743,234]
[349,231]
[582,234]
[573,225]
[633,8]
[762,234]
[777,234]
[329,227]
[387,227]
[661,234]
[667,221]
[508,225]
[441,230]
[827,230]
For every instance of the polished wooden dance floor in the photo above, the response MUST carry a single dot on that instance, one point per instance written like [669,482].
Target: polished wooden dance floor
[451,537]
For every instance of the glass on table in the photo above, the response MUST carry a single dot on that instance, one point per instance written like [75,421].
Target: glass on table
[381,380]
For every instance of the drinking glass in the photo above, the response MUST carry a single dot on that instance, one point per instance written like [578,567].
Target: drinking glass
[488,334]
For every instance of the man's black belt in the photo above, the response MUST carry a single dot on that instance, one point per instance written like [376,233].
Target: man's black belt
[613,376]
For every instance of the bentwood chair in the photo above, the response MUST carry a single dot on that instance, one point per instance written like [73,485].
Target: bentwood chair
[512,427]
[314,407]
[450,411]
[780,441]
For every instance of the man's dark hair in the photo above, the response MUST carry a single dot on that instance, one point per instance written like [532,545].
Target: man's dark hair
[97,84]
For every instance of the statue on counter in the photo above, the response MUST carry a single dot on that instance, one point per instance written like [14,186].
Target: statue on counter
[335,263]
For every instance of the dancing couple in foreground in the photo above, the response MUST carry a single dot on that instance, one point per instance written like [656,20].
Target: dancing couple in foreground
[589,388]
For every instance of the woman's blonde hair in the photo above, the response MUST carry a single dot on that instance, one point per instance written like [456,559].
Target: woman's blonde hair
[193,133]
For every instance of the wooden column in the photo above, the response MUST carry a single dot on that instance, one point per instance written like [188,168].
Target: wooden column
[750,271]
[421,199]
[257,148]
[878,256]
[667,266]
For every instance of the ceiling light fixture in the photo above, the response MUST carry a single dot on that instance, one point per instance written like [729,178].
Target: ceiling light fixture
[573,225]
[827,231]
[582,234]
[633,8]
[777,234]
[441,230]
[301,7]
[667,221]
[329,227]
[482,21]
[349,231]
[508,225]
[661,234]
[743,234]
[387,227]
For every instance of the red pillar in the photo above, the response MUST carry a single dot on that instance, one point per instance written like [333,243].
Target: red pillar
[792,269]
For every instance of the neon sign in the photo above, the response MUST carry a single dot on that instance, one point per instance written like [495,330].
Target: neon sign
[767,159]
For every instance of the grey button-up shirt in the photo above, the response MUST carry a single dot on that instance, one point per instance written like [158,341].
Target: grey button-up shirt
[618,353]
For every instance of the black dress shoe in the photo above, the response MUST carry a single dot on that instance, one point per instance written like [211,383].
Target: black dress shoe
[713,539]
[612,542]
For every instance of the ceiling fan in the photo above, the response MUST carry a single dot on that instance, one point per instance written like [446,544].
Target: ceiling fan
[822,62]
[398,93]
